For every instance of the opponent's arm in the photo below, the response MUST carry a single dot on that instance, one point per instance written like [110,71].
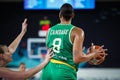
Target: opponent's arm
[12,47]
[35,70]
[6,73]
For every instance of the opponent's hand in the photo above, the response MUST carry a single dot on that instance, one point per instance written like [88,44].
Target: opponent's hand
[49,55]
[24,26]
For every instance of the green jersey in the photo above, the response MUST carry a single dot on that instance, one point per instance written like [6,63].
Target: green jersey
[59,39]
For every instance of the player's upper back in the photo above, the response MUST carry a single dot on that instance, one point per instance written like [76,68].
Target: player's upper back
[59,32]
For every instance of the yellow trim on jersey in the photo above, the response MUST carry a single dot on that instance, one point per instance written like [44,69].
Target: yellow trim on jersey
[70,34]
[60,62]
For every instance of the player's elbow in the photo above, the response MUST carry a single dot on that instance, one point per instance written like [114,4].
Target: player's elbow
[76,60]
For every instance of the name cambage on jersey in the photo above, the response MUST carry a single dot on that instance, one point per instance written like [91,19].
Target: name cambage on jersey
[58,32]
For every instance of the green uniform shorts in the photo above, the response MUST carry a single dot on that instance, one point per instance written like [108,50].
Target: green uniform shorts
[55,71]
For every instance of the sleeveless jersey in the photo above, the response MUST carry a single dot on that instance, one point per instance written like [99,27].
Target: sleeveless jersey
[59,40]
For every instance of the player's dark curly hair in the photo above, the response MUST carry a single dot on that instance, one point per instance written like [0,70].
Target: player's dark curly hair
[22,63]
[66,11]
[1,49]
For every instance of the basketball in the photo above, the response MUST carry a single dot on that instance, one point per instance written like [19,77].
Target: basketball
[97,60]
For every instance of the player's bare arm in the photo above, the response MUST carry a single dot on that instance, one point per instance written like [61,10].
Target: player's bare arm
[41,66]
[7,73]
[77,38]
[12,47]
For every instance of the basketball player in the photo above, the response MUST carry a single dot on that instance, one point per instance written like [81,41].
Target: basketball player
[22,67]
[67,42]
[6,57]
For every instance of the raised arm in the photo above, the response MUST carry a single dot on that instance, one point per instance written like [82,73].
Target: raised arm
[77,38]
[12,47]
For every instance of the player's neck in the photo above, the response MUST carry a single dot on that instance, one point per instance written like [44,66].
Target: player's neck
[65,22]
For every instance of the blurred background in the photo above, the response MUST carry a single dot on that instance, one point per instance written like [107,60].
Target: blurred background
[98,18]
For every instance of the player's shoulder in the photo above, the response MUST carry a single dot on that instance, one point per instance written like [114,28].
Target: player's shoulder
[77,32]
[77,29]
